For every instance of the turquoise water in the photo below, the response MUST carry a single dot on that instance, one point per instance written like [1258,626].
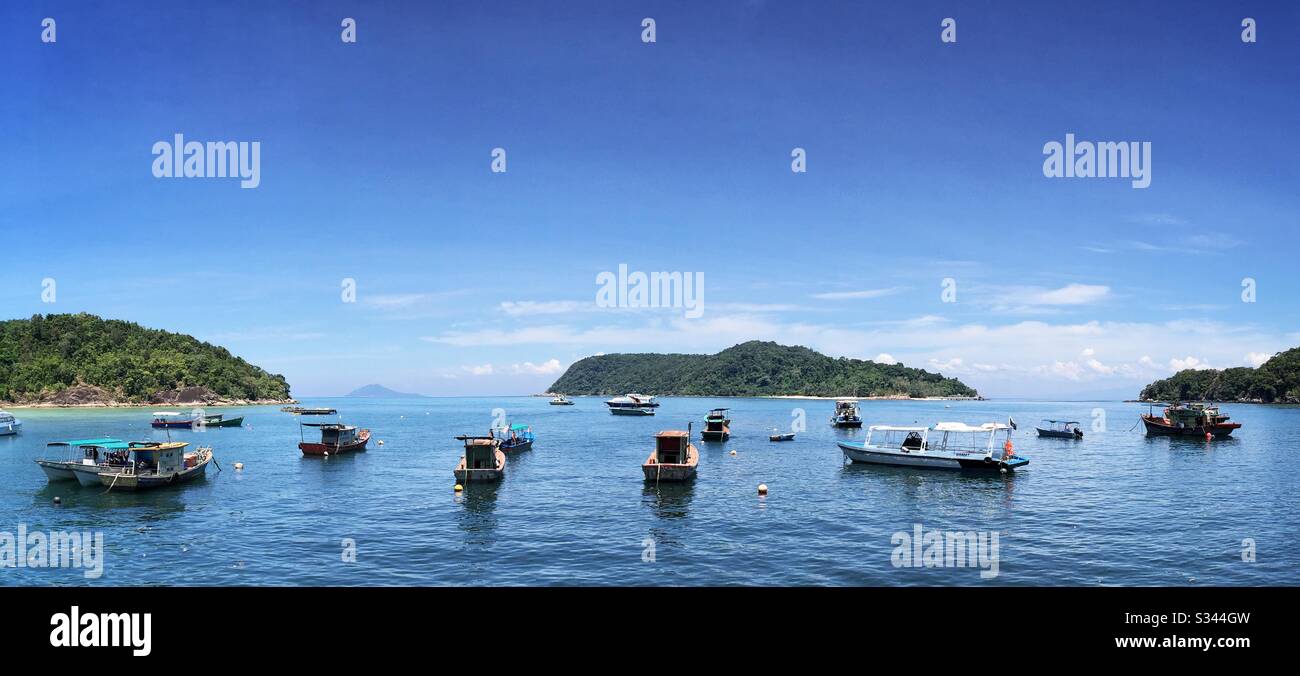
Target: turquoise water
[1118,508]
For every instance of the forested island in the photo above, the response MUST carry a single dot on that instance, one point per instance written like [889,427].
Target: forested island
[1276,381]
[751,369]
[83,360]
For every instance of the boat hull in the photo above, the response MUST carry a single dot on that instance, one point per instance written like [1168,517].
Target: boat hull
[658,471]
[861,454]
[233,422]
[1057,434]
[716,435]
[120,481]
[782,437]
[318,449]
[56,470]
[466,475]
[10,429]
[632,411]
[1161,427]
[172,424]
[524,446]
[88,475]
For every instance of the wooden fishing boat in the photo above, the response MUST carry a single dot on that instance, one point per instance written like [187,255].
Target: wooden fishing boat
[218,420]
[1190,420]
[632,404]
[299,410]
[675,458]
[92,453]
[483,460]
[945,445]
[517,438]
[156,465]
[1060,429]
[9,425]
[786,436]
[846,414]
[561,400]
[335,438]
[717,426]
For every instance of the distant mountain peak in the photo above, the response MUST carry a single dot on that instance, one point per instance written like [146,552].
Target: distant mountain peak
[375,391]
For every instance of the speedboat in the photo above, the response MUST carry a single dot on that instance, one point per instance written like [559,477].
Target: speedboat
[9,425]
[561,400]
[632,404]
[946,445]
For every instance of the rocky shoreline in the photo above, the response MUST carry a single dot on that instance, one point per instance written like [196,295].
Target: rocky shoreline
[90,396]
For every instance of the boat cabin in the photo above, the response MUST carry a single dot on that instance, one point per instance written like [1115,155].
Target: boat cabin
[670,447]
[335,434]
[480,452]
[945,437]
[152,457]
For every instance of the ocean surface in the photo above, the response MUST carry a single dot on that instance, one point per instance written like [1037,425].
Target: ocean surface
[1117,508]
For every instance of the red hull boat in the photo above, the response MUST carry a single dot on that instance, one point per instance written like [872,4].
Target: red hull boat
[335,439]
[1190,420]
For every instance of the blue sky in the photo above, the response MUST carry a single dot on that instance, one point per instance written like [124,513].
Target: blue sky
[924,162]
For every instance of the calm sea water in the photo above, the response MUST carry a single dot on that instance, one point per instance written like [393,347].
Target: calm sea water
[1118,508]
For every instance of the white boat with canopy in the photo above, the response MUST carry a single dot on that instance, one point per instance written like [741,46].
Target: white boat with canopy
[945,445]
[9,424]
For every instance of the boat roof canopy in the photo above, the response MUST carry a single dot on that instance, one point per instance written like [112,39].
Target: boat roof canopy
[336,426]
[100,443]
[167,413]
[963,427]
[894,428]
[519,427]
[1061,422]
[671,433]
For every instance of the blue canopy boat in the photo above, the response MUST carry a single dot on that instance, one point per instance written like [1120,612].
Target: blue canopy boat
[517,438]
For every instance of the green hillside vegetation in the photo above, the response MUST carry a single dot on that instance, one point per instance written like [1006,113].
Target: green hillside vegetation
[754,368]
[47,354]
[1275,381]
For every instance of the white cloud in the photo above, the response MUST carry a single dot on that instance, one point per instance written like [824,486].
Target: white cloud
[1257,359]
[482,370]
[546,368]
[549,307]
[864,293]
[885,358]
[1073,294]
[1190,362]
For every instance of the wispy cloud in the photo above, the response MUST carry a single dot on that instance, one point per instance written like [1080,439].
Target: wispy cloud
[855,295]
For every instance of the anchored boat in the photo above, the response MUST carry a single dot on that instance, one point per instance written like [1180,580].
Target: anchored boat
[93,452]
[335,438]
[483,460]
[632,404]
[298,410]
[946,445]
[9,425]
[781,436]
[517,438]
[157,464]
[218,420]
[561,400]
[1193,420]
[1060,429]
[846,414]
[675,458]
[717,426]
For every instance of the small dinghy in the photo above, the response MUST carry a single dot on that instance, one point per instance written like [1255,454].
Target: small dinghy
[517,438]
[787,436]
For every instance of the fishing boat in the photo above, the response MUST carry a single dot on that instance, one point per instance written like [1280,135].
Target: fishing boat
[846,413]
[174,420]
[717,426]
[335,438]
[1193,420]
[483,460]
[946,445]
[9,425]
[91,449]
[561,400]
[632,404]
[1060,429]
[517,438]
[298,410]
[154,464]
[782,436]
[675,458]
[218,420]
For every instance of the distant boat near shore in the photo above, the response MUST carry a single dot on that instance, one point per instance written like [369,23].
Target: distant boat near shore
[632,404]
